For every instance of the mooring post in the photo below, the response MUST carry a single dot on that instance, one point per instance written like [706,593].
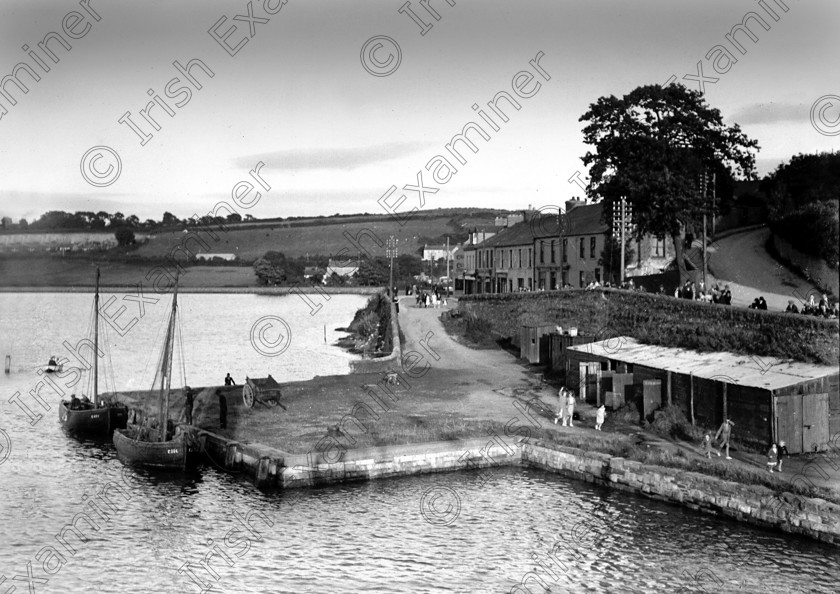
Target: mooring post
[8,363]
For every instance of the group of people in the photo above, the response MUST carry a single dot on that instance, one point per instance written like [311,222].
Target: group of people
[189,401]
[698,292]
[758,303]
[823,309]
[723,435]
[566,410]
[434,298]
[82,403]
[775,454]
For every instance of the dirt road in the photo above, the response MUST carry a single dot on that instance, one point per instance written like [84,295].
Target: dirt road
[742,262]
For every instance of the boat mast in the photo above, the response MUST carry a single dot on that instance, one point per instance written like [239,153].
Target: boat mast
[166,367]
[96,341]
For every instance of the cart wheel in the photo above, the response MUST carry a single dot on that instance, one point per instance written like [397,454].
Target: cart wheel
[248,395]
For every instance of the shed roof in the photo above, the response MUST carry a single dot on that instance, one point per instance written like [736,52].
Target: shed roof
[767,373]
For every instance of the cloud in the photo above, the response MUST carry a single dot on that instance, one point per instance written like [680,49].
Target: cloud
[772,113]
[335,158]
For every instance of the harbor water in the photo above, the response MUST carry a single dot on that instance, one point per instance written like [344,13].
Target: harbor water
[459,532]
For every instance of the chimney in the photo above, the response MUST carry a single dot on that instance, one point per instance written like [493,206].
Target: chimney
[570,204]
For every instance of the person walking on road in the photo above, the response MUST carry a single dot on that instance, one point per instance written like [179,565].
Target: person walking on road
[600,417]
[561,406]
[707,446]
[782,452]
[724,433]
[772,458]
[229,380]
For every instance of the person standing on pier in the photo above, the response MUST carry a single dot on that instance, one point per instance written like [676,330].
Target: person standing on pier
[222,409]
[229,380]
[188,404]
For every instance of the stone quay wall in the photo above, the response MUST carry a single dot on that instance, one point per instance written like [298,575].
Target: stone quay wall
[754,504]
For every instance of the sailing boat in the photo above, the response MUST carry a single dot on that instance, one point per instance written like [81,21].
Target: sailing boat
[91,415]
[146,446]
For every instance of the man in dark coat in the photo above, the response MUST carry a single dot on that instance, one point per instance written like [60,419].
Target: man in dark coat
[229,380]
[188,404]
[222,409]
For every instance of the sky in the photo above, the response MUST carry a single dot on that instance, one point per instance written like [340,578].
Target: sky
[319,93]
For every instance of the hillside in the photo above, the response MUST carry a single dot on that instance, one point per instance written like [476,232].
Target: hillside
[329,235]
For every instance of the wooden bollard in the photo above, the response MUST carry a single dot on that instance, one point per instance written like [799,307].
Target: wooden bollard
[8,363]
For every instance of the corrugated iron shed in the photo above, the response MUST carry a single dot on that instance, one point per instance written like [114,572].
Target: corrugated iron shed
[768,373]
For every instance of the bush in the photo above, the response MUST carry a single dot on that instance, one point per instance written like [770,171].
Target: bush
[670,422]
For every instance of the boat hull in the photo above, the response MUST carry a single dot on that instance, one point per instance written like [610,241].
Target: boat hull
[175,454]
[94,421]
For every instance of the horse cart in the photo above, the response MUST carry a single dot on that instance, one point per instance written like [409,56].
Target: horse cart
[262,390]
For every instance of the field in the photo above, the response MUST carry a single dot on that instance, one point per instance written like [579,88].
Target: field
[337,237]
[76,272]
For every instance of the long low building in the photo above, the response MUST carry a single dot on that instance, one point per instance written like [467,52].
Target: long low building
[768,399]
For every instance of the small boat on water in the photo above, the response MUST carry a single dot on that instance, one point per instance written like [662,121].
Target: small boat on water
[161,446]
[94,414]
[55,365]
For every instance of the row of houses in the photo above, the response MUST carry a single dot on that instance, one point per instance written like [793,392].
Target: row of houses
[534,255]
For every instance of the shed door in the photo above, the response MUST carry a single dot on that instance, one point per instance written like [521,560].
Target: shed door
[814,422]
[789,422]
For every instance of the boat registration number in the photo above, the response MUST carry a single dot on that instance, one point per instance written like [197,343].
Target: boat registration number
[94,416]
[172,451]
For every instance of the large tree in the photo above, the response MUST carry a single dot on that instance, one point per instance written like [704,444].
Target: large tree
[653,147]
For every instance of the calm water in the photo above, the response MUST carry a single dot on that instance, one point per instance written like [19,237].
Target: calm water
[479,536]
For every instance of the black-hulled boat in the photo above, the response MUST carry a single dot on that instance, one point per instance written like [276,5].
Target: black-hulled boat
[154,447]
[94,414]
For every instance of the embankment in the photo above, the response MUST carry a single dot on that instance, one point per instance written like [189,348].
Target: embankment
[663,320]
[754,504]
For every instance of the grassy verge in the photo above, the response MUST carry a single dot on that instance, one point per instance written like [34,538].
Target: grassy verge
[663,320]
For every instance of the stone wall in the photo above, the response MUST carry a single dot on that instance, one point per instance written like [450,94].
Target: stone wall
[815,269]
[755,504]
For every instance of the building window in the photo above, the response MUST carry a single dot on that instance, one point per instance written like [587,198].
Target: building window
[530,260]
[520,257]
[565,250]
[582,250]
[659,247]
[580,282]
[542,252]
[592,247]
[552,251]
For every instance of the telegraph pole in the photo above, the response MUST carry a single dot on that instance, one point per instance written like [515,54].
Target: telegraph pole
[447,264]
[391,252]
[622,225]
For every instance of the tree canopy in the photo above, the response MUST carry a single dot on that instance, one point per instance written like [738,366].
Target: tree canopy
[654,147]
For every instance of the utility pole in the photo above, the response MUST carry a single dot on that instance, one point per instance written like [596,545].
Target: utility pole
[622,225]
[447,264]
[705,208]
[391,252]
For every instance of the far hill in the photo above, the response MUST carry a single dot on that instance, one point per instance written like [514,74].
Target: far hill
[337,235]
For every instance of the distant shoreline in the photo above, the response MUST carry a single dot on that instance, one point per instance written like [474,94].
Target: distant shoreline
[231,290]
